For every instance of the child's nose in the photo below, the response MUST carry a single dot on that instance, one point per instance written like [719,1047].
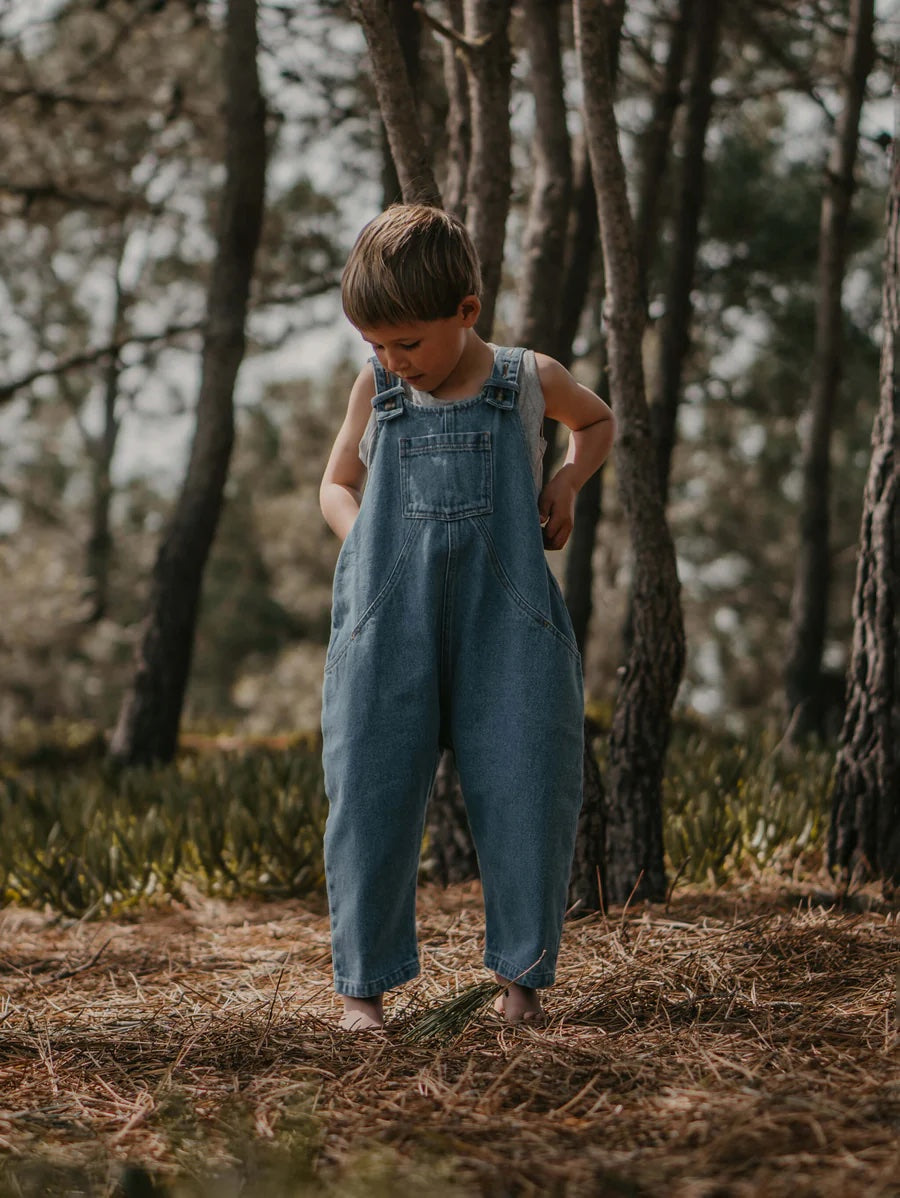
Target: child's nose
[397,362]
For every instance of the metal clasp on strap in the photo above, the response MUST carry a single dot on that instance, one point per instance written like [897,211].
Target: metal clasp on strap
[388,400]
[503,385]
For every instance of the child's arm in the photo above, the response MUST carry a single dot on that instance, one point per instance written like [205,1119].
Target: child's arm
[341,491]
[592,431]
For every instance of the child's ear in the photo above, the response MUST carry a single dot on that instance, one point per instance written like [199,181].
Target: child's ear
[469,310]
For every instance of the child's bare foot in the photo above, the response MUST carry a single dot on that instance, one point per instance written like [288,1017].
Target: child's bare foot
[362,1014]
[518,1004]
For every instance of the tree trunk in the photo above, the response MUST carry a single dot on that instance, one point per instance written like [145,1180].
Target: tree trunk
[581,252]
[451,851]
[676,325]
[809,601]
[459,121]
[99,546]
[587,883]
[489,62]
[657,140]
[544,240]
[397,103]
[408,31]
[581,243]
[642,716]
[864,838]
[147,728]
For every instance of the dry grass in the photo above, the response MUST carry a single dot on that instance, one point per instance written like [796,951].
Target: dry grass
[737,1044]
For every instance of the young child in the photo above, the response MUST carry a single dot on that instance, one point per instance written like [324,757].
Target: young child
[448,628]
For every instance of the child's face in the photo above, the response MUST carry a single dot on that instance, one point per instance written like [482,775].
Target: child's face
[424,353]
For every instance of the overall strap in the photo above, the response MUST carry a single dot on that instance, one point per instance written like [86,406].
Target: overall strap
[502,387]
[388,400]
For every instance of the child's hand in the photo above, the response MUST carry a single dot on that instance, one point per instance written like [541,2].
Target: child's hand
[556,504]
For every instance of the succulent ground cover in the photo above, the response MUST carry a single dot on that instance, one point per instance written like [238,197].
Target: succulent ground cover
[736,1042]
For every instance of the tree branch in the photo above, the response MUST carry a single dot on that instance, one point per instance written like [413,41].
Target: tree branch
[90,357]
[453,35]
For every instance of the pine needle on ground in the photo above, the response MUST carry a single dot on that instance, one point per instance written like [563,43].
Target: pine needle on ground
[449,1019]
[741,1042]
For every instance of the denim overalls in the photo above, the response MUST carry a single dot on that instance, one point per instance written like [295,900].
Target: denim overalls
[448,629]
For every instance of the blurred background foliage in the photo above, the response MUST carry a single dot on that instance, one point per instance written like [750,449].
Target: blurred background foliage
[109,139]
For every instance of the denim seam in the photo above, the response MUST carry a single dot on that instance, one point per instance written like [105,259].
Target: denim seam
[379,599]
[446,623]
[507,584]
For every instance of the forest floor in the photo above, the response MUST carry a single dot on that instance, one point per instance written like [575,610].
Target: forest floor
[738,1042]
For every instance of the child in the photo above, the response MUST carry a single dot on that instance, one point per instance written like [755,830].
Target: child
[448,629]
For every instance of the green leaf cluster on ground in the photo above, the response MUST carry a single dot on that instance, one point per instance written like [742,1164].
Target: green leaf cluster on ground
[85,838]
[93,838]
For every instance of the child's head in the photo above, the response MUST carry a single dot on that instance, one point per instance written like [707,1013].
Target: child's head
[411,263]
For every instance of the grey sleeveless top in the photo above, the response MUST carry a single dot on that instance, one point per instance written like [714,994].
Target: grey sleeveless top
[531,410]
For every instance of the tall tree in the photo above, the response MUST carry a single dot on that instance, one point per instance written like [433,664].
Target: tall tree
[864,839]
[642,715]
[809,601]
[676,325]
[579,569]
[397,102]
[147,728]
[408,30]
[657,139]
[488,60]
[459,124]
[544,239]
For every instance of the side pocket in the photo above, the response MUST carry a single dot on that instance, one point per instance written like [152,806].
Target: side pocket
[542,621]
[341,642]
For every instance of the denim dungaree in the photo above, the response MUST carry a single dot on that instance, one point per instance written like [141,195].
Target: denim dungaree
[448,629]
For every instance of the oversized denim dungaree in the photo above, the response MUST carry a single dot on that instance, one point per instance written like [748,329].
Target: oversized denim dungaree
[448,629]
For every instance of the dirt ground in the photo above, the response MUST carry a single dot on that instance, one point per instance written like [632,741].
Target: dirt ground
[738,1043]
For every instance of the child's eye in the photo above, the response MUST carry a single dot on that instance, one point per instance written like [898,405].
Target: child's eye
[410,345]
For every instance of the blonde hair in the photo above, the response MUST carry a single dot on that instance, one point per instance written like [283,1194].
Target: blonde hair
[411,263]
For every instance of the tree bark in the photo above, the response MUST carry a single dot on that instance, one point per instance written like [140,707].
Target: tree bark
[147,728]
[101,450]
[864,839]
[642,716]
[657,141]
[408,31]
[581,253]
[451,849]
[809,600]
[99,546]
[676,325]
[587,882]
[489,62]
[544,239]
[397,103]
[459,121]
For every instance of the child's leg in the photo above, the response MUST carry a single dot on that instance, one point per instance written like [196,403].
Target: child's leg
[519,755]
[379,765]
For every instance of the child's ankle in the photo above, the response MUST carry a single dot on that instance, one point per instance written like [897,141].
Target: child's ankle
[362,1014]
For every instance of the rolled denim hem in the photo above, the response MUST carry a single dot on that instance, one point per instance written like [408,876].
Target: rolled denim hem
[534,979]
[378,986]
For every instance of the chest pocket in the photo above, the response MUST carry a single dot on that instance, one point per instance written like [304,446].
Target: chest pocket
[446,476]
